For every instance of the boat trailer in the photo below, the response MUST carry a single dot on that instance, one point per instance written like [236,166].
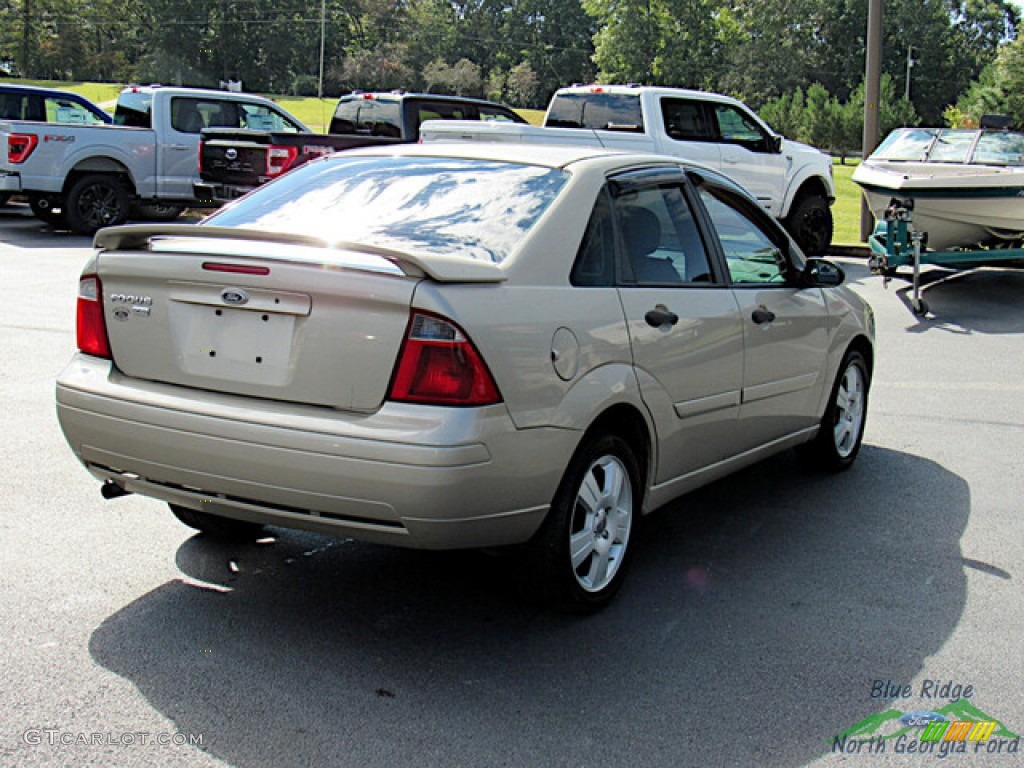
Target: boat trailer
[895,243]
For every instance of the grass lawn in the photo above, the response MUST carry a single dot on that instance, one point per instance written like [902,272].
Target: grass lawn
[846,209]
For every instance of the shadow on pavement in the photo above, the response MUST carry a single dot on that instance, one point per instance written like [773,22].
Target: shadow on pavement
[758,612]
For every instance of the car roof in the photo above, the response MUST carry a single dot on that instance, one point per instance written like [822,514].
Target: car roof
[401,95]
[41,90]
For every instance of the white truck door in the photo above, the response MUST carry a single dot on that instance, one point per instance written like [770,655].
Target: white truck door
[749,156]
[687,130]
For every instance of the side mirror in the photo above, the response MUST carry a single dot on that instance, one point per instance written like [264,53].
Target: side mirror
[821,273]
[775,144]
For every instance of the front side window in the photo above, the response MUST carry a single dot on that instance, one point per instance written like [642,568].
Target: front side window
[752,253]
[908,144]
[471,209]
[497,114]
[735,127]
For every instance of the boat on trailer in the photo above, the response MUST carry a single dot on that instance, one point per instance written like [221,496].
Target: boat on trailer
[951,197]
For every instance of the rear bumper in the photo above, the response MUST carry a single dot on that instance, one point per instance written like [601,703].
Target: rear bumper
[10,182]
[413,476]
[210,192]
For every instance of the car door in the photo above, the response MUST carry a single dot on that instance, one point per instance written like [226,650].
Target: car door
[785,326]
[749,156]
[178,158]
[684,325]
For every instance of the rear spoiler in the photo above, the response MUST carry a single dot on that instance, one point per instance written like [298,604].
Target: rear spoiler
[148,237]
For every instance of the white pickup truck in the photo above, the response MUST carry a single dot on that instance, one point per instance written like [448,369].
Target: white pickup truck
[84,177]
[793,181]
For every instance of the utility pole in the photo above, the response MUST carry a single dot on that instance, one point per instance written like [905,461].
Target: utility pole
[872,87]
[26,38]
[911,61]
[323,26]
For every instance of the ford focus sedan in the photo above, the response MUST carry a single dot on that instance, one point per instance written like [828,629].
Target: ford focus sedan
[455,346]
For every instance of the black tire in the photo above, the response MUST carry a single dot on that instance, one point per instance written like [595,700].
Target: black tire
[215,525]
[842,427]
[156,211]
[96,201]
[810,224]
[607,468]
[4,197]
[44,211]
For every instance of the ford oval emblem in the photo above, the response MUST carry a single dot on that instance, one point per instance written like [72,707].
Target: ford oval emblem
[231,154]
[921,719]
[236,297]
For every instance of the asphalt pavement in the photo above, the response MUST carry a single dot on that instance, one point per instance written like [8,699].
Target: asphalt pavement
[778,618]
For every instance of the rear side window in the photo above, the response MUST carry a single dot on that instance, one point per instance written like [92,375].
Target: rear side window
[14,106]
[597,111]
[467,209]
[190,115]
[368,117]
[686,120]
[500,115]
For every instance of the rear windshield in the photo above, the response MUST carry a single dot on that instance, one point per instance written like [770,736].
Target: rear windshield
[368,117]
[133,109]
[472,209]
[600,111]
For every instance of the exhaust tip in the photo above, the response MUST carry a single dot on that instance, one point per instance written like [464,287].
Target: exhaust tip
[111,490]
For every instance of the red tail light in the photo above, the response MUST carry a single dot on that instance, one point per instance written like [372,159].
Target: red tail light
[90,326]
[438,365]
[280,159]
[20,146]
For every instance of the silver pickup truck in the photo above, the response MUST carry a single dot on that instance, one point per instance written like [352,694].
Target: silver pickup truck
[84,177]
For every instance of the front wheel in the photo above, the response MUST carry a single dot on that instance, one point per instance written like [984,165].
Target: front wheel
[215,525]
[96,201]
[842,427]
[810,224]
[580,554]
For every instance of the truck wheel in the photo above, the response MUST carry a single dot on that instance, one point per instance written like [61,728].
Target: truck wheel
[42,209]
[96,201]
[810,224]
[156,211]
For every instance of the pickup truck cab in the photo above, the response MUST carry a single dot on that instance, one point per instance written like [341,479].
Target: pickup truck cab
[89,176]
[792,181]
[233,162]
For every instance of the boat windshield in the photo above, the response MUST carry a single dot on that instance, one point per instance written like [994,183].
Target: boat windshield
[953,145]
[910,144]
[1000,148]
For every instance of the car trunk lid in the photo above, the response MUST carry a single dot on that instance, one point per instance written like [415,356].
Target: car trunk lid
[262,314]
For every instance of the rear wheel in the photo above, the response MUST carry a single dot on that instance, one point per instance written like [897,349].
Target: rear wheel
[842,427]
[96,201]
[215,525]
[810,224]
[580,554]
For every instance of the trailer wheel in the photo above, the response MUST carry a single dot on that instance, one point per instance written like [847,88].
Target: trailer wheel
[95,201]
[810,224]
